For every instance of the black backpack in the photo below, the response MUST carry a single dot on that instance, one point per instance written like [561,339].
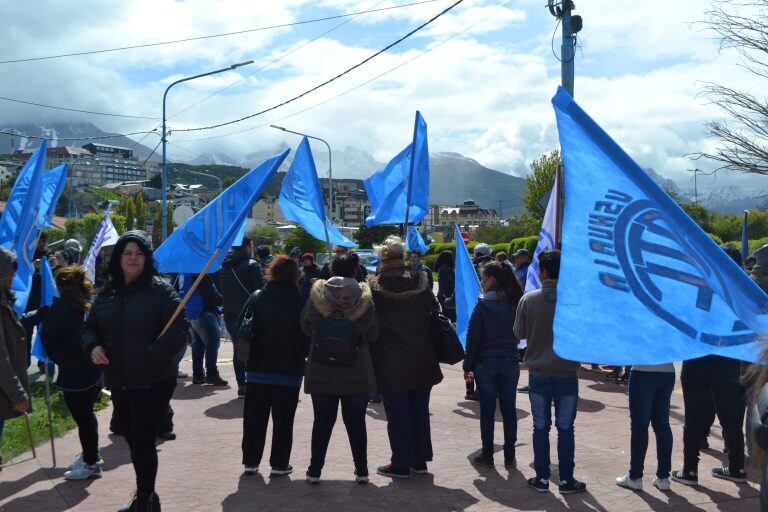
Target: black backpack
[335,343]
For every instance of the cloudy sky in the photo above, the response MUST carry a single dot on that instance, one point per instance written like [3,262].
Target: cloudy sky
[481,75]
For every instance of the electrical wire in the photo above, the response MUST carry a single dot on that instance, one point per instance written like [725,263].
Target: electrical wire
[358,86]
[330,80]
[212,36]
[274,61]
[76,110]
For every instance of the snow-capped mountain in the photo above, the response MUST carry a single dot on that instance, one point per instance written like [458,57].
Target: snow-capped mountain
[731,199]
[215,158]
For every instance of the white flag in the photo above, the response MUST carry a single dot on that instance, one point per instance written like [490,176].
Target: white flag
[546,239]
[105,236]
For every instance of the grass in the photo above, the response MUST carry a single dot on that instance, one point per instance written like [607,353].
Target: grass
[15,438]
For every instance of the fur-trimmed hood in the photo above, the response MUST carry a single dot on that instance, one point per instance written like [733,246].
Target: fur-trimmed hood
[325,306]
[399,283]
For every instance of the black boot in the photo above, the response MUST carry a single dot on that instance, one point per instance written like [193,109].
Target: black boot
[509,459]
[485,459]
[143,502]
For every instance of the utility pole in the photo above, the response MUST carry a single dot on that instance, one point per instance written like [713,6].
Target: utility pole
[561,9]
[695,185]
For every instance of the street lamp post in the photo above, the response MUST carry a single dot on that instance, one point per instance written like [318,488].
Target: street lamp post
[218,180]
[164,193]
[330,167]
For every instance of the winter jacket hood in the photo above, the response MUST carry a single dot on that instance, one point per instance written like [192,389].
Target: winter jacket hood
[234,257]
[342,294]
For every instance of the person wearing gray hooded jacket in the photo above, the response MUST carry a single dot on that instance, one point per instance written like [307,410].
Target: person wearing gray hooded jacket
[14,384]
[340,299]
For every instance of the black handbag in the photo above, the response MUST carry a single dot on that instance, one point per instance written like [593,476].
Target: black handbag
[444,338]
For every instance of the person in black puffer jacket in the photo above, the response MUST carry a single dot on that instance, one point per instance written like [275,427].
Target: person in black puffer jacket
[123,334]
[239,277]
[79,379]
[275,367]
[492,356]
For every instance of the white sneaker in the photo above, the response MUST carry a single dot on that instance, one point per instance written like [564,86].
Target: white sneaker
[661,484]
[250,470]
[80,462]
[83,472]
[625,481]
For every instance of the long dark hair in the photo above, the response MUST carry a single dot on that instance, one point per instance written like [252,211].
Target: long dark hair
[505,278]
[445,258]
[114,279]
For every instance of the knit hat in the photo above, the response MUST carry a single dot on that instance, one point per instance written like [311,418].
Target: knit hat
[138,236]
[392,249]
[308,256]
[295,252]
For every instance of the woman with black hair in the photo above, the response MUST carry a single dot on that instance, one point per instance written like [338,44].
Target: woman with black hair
[123,335]
[493,358]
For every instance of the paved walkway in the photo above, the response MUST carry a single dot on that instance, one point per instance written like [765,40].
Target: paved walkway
[201,470]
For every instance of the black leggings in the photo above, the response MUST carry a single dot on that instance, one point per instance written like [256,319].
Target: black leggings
[80,405]
[140,411]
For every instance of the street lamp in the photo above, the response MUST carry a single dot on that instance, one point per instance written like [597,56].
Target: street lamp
[218,180]
[330,168]
[164,194]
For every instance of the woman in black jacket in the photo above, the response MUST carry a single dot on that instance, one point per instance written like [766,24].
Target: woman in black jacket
[493,358]
[445,281]
[79,379]
[123,334]
[275,367]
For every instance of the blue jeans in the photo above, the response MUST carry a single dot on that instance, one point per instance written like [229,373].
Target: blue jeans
[205,344]
[408,428]
[497,376]
[326,409]
[649,398]
[238,364]
[564,393]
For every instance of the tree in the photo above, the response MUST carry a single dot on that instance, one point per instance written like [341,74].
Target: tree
[498,234]
[226,183]
[304,241]
[127,209]
[366,237]
[264,235]
[156,181]
[141,212]
[539,182]
[743,139]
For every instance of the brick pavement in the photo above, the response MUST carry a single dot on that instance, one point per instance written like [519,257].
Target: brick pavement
[201,470]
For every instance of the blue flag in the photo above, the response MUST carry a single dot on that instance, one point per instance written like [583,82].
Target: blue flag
[19,223]
[301,198]
[414,241]
[218,225]
[546,240]
[47,293]
[467,289]
[404,180]
[53,185]
[640,282]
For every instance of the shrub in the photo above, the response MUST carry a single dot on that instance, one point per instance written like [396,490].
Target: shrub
[717,239]
[430,260]
[528,243]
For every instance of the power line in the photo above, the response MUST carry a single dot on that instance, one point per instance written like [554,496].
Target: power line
[313,89]
[75,109]
[212,36]
[358,86]
[278,59]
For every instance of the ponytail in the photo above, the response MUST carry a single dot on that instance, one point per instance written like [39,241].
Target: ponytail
[505,278]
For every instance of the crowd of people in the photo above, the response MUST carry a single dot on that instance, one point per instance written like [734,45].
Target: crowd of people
[349,338]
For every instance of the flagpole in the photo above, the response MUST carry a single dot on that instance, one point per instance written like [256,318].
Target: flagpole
[190,292]
[48,406]
[744,235]
[410,174]
[29,435]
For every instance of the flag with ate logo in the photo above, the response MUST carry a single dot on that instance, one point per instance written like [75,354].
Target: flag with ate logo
[640,282]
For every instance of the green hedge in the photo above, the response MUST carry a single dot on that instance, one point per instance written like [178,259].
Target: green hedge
[528,243]
[717,239]
[430,260]
[753,244]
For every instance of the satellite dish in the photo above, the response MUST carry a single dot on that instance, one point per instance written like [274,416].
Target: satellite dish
[182,214]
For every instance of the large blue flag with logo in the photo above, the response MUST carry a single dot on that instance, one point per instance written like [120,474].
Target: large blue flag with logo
[54,182]
[219,225]
[640,282]
[405,180]
[19,224]
[48,292]
[301,198]
[414,241]
[467,289]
